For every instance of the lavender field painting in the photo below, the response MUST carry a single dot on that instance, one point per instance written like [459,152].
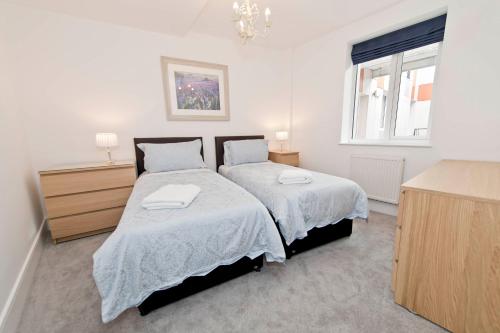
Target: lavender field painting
[197,91]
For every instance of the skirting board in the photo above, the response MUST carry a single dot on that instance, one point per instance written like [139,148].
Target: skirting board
[12,311]
[383,207]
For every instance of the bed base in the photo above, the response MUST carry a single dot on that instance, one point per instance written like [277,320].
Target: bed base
[195,284]
[317,237]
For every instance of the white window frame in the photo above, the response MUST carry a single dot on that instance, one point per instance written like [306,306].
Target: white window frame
[389,139]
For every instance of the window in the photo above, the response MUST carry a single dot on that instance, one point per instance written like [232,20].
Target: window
[393,94]
[389,99]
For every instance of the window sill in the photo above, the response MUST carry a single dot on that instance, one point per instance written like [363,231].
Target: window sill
[418,144]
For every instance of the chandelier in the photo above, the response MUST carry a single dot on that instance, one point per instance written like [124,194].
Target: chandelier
[245,17]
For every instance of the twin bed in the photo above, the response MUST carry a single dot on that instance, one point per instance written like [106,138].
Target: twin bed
[307,215]
[155,257]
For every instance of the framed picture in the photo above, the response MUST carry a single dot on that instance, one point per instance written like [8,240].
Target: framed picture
[195,90]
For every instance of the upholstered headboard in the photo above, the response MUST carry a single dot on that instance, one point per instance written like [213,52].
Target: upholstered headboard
[219,145]
[139,154]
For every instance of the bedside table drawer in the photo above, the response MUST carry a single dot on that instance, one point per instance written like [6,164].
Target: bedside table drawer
[285,158]
[86,202]
[83,223]
[85,181]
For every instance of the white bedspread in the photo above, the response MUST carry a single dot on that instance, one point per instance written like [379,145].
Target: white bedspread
[158,249]
[300,207]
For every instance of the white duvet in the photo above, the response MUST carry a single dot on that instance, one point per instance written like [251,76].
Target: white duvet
[298,208]
[158,249]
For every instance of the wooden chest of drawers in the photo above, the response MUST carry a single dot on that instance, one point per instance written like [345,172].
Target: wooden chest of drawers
[285,157]
[85,200]
[447,249]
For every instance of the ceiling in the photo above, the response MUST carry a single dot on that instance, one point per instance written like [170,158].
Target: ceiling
[294,21]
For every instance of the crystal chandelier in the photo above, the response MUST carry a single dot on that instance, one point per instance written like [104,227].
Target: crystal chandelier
[245,17]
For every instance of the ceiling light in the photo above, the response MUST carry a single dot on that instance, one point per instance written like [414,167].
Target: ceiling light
[245,17]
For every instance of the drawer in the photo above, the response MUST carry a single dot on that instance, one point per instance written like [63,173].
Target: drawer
[83,223]
[399,220]
[395,259]
[85,181]
[397,239]
[86,202]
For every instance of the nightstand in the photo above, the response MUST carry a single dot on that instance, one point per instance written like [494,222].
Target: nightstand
[285,157]
[87,199]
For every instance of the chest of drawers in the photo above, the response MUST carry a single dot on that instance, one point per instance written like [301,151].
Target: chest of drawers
[83,200]
[447,249]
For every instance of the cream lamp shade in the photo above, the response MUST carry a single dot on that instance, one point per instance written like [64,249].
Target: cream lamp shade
[282,136]
[106,140]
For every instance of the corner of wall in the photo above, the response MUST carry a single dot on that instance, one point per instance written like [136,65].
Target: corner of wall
[383,207]
[290,114]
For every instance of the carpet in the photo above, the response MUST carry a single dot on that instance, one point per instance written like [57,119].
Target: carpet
[343,286]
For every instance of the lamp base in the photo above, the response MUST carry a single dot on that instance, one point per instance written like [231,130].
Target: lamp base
[109,161]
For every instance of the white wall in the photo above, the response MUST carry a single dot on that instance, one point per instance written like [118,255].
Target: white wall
[78,77]
[465,117]
[20,214]
[75,77]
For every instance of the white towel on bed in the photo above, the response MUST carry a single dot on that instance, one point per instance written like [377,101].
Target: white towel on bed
[171,196]
[291,176]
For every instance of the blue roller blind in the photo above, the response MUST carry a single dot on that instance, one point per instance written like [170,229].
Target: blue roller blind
[417,35]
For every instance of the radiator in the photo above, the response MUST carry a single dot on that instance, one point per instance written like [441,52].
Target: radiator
[379,176]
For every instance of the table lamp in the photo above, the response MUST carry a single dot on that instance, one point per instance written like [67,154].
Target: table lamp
[282,136]
[107,141]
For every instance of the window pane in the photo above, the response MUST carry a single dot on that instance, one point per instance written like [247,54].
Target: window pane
[415,91]
[372,88]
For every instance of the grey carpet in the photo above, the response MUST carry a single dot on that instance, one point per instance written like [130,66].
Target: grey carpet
[343,286]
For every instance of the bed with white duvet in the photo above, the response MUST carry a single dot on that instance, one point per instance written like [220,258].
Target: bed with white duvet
[152,250]
[297,208]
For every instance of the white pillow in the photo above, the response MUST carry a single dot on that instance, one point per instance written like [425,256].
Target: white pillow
[245,151]
[160,157]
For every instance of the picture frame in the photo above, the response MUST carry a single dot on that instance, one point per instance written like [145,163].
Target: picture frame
[195,90]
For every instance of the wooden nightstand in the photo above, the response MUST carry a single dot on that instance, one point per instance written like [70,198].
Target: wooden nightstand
[84,200]
[285,157]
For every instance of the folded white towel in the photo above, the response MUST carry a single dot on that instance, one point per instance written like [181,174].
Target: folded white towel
[292,176]
[171,196]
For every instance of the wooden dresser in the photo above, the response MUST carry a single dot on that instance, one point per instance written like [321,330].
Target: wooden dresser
[285,157]
[83,200]
[447,246]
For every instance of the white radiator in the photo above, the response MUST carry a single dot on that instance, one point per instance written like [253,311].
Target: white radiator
[379,176]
